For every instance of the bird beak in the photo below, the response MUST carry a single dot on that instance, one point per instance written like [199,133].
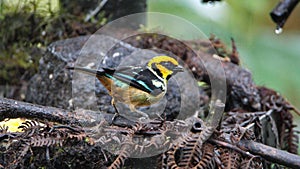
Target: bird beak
[178,69]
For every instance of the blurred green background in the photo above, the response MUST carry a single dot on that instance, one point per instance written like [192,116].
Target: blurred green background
[274,60]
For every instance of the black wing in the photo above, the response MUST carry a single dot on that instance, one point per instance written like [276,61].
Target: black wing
[138,77]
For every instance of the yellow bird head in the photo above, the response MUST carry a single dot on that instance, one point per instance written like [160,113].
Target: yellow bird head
[164,66]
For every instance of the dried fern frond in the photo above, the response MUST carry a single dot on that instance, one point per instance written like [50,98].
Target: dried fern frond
[3,129]
[47,140]
[207,159]
[30,125]
[188,153]
[120,160]
[191,151]
[127,147]
[230,158]
[251,163]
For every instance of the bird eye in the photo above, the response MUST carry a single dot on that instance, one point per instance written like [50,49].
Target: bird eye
[168,65]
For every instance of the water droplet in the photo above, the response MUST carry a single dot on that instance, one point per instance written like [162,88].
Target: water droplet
[278,30]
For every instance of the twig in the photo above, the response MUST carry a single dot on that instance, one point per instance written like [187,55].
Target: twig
[95,11]
[282,11]
[271,154]
[233,147]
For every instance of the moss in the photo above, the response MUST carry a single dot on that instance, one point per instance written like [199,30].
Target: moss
[27,27]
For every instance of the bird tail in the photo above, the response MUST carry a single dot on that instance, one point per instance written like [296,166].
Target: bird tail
[89,71]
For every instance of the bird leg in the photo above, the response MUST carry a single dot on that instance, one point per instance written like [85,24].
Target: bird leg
[132,108]
[116,110]
[144,115]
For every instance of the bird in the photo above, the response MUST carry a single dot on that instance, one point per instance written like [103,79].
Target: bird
[136,86]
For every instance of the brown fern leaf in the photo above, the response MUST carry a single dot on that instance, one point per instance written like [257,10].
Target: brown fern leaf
[25,148]
[162,161]
[192,145]
[271,100]
[187,153]
[191,150]
[3,129]
[251,163]
[207,159]
[127,147]
[29,125]
[120,160]
[170,159]
[230,158]
[233,118]
[78,137]
[289,139]
[16,153]
[47,140]
[294,143]
[30,128]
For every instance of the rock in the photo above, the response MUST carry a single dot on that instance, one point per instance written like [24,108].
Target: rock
[52,86]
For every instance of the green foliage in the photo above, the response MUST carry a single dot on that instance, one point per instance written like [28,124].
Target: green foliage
[273,59]
[27,27]
[18,36]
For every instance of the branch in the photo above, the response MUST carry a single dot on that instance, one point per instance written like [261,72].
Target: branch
[271,154]
[282,11]
[249,147]
[230,146]
[17,109]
